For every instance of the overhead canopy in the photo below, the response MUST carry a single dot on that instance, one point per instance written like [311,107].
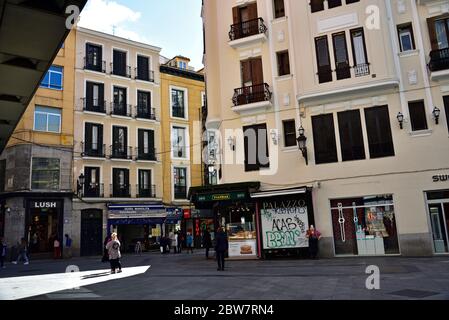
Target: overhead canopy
[31,34]
[230,191]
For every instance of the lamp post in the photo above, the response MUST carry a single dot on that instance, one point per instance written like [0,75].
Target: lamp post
[231,142]
[302,143]
[81,181]
[436,114]
[400,118]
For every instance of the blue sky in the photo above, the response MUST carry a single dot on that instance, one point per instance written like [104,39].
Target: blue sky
[173,25]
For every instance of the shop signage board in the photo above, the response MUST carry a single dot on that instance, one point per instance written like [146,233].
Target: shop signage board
[136,211]
[242,249]
[45,204]
[284,224]
[222,196]
[441,178]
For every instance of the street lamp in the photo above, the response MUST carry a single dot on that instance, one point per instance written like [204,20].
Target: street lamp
[400,118]
[231,142]
[81,181]
[436,114]
[302,143]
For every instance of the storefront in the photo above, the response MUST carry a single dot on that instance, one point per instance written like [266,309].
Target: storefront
[234,211]
[196,222]
[438,210]
[283,217]
[365,226]
[137,223]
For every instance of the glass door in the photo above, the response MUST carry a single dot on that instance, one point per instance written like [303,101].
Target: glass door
[440,224]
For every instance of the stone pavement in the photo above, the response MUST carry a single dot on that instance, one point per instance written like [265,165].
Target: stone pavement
[192,277]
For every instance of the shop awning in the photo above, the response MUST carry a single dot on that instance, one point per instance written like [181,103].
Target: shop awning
[276,193]
[223,192]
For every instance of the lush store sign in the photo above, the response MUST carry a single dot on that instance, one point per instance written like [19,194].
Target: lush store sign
[284,224]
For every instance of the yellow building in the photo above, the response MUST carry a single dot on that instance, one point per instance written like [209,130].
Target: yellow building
[36,165]
[182,102]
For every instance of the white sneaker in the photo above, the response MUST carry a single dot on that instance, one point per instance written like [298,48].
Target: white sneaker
[26,263]
[14,262]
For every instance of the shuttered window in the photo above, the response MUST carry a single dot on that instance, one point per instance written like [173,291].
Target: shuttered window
[325,145]
[256,147]
[379,132]
[418,116]
[351,137]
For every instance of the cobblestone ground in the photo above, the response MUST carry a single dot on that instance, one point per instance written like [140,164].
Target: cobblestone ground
[192,277]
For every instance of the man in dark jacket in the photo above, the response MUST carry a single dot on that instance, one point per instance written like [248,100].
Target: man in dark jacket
[221,246]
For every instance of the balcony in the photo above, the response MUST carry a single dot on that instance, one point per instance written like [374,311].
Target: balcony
[120,109]
[362,70]
[342,71]
[94,105]
[93,190]
[247,33]
[439,64]
[93,150]
[118,151]
[180,192]
[252,98]
[120,191]
[145,112]
[98,66]
[121,70]
[146,154]
[144,75]
[146,191]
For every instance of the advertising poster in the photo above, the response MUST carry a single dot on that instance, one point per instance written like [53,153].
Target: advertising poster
[242,249]
[284,224]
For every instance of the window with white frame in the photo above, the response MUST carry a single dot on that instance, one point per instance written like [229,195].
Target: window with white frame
[53,78]
[406,38]
[178,98]
[47,119]
[179,142]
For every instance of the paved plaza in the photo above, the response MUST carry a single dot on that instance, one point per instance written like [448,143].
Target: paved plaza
[192,277]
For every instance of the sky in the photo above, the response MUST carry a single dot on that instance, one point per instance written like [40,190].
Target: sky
[173,25]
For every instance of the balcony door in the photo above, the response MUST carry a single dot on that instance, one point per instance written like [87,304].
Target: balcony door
[92,182]
[94,96]
[245,21]
[93,139]
[446,109]
[145,189]
[144,104]
[94,56]
[146,144]
[119,63]
[143,68]
[252,82]
[341,56]
[120,101]
[120,184]
[120,142]
[439,32]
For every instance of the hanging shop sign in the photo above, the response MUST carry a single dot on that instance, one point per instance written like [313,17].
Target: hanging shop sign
[284,224]
[222,196]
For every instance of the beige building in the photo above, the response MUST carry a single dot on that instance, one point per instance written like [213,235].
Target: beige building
[117,163]
[362,88]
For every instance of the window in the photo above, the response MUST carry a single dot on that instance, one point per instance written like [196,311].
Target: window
[179,142]
[446,109]
[92,182]
[323,59]
[95,97]
[145,188]
[379,132]
[439,32]
[180,183]
[406,38]
[93,135]
[256,147]
[178,103]
[120,183]
[119,66]
[53,79]
[361,64]
[45,174]
[351,137]
[279,9]
[120,142]
[245,21]
[418,117]
[341,56]
[182,65]
[283,63]
[144,105]
[120,106]
[252,72]
[146,145]
[94,56]
[289,133]
[143,68]
[47,119]
[333,3]
[317,5]
[325,145]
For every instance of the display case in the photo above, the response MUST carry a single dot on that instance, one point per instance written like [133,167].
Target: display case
[242,240]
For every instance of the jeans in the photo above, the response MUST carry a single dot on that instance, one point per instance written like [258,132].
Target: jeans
[22,255]
[221,260]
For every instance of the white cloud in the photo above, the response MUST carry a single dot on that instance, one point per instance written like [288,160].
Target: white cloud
[110,17]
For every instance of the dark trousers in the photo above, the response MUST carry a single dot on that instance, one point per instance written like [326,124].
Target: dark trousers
[2,261]
[221,260]
[115,264]
[207,252]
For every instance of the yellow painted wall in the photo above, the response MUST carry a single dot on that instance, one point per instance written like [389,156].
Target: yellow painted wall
[63,99]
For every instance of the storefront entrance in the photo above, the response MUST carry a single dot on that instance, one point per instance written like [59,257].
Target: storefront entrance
[91,232]
[438,204]
[44,225]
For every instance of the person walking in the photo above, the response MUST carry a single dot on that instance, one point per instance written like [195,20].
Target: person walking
[23,252]
[105,257]
[113,248]
[68,246]
[314,237]
[180,241]
[175,242]
[207,242]
[57,249]
[221,246]
[189,242]
[2,253]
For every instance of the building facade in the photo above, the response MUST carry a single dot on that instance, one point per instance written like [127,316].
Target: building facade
[183,102]
[36,165]
[339,110]
[117,148]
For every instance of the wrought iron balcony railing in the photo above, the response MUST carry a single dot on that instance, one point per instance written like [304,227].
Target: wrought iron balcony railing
[246,29]
[439,60]
[121,109]
[121,70]
[180,192]
[120,191]
[143,74]
[93,190]
[146,154]
[95,150]
[145,191]
[94,105]
[362,69]
[118,151]
[145,112]
[251,94]
[98,66]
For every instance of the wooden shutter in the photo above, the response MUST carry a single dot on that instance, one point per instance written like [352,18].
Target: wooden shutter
[432,33]
[256,71]
[236,15]
[246,71]
[324,142]
[252,11]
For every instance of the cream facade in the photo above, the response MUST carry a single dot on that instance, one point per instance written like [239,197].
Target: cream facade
[117,150]
[357,72]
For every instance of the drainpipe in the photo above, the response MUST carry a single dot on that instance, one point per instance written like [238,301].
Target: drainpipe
[397,63]
[422,57]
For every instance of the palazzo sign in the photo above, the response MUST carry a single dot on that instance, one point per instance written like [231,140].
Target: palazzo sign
[284,224]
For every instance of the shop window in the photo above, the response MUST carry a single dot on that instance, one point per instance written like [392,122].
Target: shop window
[351,137]
[446,109]
[256,147]
[325,145]
[406,38]
[418,117]
[289,133]
[283,63]
[47,119]
[45,174]
[379,132]
[364,226]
